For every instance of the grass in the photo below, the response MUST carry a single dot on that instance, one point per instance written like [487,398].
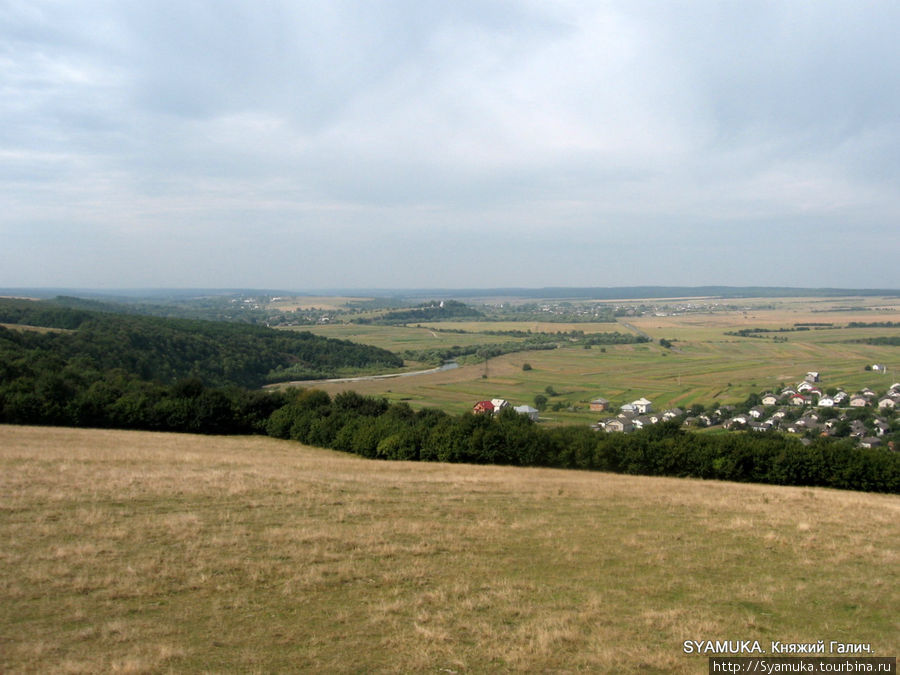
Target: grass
[706,366]
[141,552]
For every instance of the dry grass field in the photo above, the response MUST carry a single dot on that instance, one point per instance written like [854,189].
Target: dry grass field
[142,553]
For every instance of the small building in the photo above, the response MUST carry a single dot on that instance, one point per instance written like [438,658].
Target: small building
[812,376]
[769,399]
[642,406]
[617,425]
[527,410]
[887,403]
[599,405]
[858,401]
[825,402]
[483,408]
[499,404]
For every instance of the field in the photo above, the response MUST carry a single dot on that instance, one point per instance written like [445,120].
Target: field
[705,366]
[141,552]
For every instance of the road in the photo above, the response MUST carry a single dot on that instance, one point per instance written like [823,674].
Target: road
[363,378]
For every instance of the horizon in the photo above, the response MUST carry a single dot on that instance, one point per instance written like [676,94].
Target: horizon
[604,293]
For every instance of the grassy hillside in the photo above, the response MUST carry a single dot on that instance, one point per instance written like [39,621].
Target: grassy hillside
[141,552]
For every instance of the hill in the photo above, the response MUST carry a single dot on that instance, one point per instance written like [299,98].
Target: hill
[143,552]
[168,349]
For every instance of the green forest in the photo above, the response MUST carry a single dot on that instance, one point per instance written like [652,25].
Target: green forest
[165,350]
[99,369]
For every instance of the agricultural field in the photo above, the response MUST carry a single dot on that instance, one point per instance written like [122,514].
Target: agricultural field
[705,365]
[148,552]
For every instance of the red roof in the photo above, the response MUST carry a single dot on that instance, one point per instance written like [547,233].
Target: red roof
[484,406]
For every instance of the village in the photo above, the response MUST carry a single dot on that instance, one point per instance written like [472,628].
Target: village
[807,410]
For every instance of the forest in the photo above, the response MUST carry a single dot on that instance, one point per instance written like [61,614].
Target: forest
[165,349]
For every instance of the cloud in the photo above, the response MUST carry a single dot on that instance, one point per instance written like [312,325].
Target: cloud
[164,132]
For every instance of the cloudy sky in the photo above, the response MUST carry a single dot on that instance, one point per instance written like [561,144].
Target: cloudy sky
[424,143]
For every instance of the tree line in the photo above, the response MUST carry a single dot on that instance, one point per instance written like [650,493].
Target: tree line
[377,429]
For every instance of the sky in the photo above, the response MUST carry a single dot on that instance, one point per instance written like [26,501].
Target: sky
[431,144]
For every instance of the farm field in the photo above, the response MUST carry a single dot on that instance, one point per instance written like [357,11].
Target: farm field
[705,366]
[143,552]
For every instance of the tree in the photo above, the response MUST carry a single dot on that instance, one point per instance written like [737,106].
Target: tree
[540,402]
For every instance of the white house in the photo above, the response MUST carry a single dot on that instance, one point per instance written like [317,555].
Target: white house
[527,410]
[642,406]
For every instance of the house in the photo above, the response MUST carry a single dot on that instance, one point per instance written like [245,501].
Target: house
[617,425]
[672,413]
[643,421]
[736,421]
[642,406]
[799,399]
[879,367]
[881,427]
[628,408]
[826,402]
[887,402]
[499,404]
[483,408]
[769,399]
[804,386]
[858,429]
[870,442]
[527,410]
[840,397]
[812,376]
[858,401]
[756,412]
[708,420]
[599,405]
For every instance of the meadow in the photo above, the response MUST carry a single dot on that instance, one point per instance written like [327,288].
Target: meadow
[147,552]
[705,365]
